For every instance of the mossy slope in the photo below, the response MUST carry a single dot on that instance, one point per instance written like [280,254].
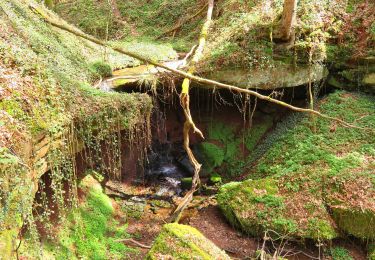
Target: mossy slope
[177,241]
[310,175]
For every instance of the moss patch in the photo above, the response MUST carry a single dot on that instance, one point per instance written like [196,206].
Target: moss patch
[228,150]
[339,253]
[183,242]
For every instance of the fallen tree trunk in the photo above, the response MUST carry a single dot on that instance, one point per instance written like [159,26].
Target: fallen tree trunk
[207,83]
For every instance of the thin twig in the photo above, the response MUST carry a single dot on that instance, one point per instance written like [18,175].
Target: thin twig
[135,242]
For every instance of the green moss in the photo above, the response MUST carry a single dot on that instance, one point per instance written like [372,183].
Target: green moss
[241,199]
[183,242]
[213,155]
[49,3]
[103,69]
[340,253]
[320,229]
[357,222]
[7,246]
[215,178]
[90,231]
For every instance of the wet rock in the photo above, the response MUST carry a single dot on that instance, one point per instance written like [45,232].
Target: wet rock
[177,241]
[185,163]
[134,207]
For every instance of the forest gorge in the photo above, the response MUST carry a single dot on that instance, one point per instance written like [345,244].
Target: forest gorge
[187,129]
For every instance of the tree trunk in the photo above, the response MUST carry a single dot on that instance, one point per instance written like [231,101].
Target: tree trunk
[288,20]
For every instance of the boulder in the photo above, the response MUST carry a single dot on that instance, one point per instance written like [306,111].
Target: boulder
[177,241]
[352,204]
[255,206]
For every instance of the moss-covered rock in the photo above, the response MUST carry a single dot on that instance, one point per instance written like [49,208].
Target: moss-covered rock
[102,69]
[177,241]
[355,221]
[256,206]
[362,77]
[369,79]
[351,199]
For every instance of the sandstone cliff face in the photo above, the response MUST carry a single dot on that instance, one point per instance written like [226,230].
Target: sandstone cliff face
[49,111]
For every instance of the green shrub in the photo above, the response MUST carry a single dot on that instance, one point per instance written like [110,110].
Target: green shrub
[340,253]
[102,69]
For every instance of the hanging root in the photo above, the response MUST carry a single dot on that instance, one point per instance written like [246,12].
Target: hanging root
[189,123]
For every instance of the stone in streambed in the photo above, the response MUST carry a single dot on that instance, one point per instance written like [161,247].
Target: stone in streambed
[177,241]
